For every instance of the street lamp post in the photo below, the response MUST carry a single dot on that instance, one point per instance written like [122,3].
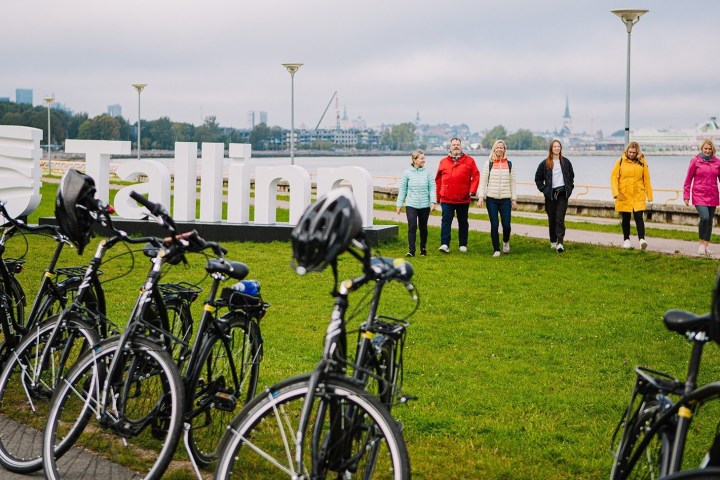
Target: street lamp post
[139,87]
[292,68]
[629,17]
[49,100]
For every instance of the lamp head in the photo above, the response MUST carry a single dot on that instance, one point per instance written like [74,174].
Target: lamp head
[292,67]
[49,99]
[629,16]
[139,86]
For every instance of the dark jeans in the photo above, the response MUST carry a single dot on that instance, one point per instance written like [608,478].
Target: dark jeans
[707,217]
[639,222]
[417,217]
[449,210]
[556,210]
[502,206]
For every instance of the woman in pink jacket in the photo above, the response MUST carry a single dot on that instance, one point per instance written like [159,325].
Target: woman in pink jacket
[702,180]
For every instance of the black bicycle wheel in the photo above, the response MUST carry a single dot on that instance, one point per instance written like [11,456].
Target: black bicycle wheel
[180,325]
[14,300]
[698,474]
[51,304]
[27,385]
[224,380]
[350,435]
[644,448]
[135,435]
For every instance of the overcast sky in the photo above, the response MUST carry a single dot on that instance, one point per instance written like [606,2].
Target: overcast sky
[479,62]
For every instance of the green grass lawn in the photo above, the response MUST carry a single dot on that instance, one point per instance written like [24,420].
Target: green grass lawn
[522,364]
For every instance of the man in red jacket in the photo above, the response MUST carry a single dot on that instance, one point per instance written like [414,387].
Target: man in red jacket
[456,179]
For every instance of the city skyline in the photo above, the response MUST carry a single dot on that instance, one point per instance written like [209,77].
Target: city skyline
[478,63]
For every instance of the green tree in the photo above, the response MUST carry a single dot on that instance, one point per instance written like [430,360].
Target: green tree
[102,127]
[161,134]
[399,137]
[520,140]
[184,132]
[261,137]
[209,131]
[497,133]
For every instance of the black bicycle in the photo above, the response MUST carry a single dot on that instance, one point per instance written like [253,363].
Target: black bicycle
[651,438]
[334,422]
[47,351]
[58,286]
[126,399]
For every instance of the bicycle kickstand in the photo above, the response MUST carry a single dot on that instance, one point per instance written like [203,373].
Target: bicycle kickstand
[186,436]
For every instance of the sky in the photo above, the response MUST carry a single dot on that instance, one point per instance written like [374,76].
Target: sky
[478,62]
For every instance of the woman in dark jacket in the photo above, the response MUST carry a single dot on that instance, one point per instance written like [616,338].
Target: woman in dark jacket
[555,179]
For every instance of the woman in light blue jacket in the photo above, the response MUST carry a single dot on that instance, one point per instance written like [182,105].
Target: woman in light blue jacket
[417,191]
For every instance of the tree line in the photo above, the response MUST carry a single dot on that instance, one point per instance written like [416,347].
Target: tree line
[161,134]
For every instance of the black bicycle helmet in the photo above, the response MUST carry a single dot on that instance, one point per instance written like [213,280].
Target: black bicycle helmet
[74,204]
[325,230]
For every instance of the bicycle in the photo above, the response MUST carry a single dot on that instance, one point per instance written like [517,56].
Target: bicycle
[47,351]
[330,422]
[58,286]
[129,388]
[651,437]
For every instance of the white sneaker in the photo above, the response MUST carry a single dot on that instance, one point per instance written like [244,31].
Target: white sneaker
[702,250]
[496,254]
[626,244]
[643,244]
[707,251]
[463,249]
[444,248]
[506,247]
[560,248]
[553,245]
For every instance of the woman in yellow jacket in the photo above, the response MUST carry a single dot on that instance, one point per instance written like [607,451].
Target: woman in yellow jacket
[630,182]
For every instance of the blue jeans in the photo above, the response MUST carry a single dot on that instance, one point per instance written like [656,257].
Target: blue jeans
[449,210]
[707,217]
[502,206]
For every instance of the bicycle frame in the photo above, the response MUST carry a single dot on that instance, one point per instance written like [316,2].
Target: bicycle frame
[334,361]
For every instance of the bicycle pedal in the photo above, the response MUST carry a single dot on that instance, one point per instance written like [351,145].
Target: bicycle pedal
[225,401]
[407,398]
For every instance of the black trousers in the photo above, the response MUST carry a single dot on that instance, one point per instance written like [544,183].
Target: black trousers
[639,223]
[556,210]
[417,219]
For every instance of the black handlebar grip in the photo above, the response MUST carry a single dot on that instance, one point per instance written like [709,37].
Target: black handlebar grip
[154,208]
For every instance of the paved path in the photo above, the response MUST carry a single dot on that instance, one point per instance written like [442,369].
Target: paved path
[662,245]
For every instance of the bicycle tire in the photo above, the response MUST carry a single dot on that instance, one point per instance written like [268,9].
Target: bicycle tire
[51,304]
[697,474]
[148,400]
[224,380]
[15,301]
[268,424]
[26,388]
[180,325]
[653,454]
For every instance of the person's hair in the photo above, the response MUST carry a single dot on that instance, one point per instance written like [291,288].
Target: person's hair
[455,138]
[549,160]
[634,145]
[492,150]
[414,156]
[708,141]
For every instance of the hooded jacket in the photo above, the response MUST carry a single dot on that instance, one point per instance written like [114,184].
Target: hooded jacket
[630,184]
[455,181]
[703,176]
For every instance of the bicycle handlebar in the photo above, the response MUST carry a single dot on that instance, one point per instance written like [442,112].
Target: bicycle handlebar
[156,210]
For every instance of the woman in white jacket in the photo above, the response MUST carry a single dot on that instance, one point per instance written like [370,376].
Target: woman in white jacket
[497,190]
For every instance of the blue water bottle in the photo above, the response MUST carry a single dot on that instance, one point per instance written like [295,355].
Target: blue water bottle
[248,287]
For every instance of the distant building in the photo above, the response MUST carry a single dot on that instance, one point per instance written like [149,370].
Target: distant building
[114,110]
[24,95]
[256,118]
[567,120]
[4,99]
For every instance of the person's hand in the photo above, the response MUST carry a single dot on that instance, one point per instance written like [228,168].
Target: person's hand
[480,202]
[514,203]
[432,206]
[687,202]
[399,210]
